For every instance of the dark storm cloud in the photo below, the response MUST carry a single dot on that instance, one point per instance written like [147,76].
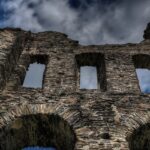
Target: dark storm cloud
[89,21]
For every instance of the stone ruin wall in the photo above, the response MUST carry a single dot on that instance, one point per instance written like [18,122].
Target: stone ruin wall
[101,119]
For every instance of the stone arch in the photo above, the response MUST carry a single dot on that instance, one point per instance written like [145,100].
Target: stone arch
[140,138]
[138,131]
[36,125]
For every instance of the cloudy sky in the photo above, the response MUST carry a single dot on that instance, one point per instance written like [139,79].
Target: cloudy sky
[89,21]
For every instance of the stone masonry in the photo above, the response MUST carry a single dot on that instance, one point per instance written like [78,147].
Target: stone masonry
[116,116]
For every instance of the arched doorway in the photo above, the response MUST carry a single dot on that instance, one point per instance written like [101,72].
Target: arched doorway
[39,148]
[43,130]
[140,138]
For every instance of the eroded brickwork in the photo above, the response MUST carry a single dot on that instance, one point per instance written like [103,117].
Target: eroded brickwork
[100,119]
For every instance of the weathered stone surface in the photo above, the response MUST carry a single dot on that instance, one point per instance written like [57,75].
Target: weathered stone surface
[102,119]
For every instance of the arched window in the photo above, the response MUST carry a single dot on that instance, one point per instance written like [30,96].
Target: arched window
[142,65]
[37,131]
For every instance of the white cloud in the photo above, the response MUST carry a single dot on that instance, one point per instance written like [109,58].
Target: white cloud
[119,22]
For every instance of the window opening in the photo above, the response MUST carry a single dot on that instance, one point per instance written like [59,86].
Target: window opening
[91,73]
[35,72]
[142,65]
[88,77]
[144,79]
[34,76]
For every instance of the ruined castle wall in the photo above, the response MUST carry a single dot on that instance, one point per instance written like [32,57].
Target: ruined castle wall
[101,119]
